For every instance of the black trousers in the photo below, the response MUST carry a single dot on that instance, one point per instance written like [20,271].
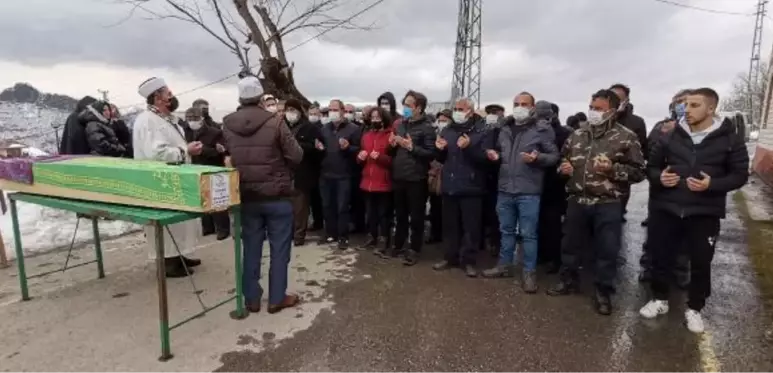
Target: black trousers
[490,222]
[604,223]
[378,206]
[216,223]
[549,231]
[435,216]
[461,228]
[317,213]
[410,205]
[698,235]
[357,203]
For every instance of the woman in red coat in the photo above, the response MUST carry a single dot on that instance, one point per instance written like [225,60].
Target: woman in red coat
[376,176]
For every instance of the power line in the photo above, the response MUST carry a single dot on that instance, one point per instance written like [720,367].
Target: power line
[316,36]
[708,10]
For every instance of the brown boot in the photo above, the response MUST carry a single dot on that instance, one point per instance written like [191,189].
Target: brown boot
[291,300]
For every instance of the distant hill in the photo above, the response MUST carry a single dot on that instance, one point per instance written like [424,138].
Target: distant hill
[22,93]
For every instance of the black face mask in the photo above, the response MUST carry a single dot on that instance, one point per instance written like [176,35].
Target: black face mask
[173,104]
[377,125]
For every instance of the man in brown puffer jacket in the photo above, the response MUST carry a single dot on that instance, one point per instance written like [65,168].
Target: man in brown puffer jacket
[264,151]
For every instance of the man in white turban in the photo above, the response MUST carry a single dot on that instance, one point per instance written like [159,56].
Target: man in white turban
[158,136]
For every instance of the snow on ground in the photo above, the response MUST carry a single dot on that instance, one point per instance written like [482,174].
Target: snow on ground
[43,229]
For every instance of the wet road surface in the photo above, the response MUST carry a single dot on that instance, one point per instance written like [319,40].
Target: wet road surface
[395,318]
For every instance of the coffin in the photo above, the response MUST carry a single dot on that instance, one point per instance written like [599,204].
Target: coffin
[132,182]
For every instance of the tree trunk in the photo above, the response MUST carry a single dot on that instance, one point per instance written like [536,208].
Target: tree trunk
[278,80]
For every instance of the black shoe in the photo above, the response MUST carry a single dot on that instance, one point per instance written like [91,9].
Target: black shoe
[381,253]
[443,265]
[175,269]
[190,262]
[223,235]
[562,288]
[603,303]
[299,242]
[471,271]
[343,244]
[327,240]
[410,258]
[372,243]
[395,252]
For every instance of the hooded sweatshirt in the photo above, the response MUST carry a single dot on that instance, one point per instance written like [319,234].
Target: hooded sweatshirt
[396,117]
[263,150]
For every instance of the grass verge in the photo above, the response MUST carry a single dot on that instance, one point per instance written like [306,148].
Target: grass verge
[760,243]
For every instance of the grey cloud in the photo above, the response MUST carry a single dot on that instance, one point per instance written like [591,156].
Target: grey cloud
[597,42]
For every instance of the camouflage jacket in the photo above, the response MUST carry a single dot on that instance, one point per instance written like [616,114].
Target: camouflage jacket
[588,145]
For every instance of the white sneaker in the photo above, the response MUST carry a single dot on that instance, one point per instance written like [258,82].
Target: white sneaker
[654,308]
[694,321]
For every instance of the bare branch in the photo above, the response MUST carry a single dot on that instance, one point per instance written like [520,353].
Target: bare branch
[256,35]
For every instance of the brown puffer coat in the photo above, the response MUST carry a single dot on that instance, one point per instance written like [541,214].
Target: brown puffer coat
[263,150]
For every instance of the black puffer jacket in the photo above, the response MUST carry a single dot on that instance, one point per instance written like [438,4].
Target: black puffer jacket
[100,135]
[720,155]
[414,165]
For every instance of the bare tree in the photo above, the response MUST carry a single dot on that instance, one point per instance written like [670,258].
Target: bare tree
[263,24]
[746,96]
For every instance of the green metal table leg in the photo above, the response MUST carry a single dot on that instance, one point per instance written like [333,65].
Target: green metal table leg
[163,305]
[98,247]
[240,312]
[19,251]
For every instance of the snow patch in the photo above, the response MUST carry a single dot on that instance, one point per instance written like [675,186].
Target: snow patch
[44,228]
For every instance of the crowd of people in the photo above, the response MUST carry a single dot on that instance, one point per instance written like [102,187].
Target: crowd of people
[496,180]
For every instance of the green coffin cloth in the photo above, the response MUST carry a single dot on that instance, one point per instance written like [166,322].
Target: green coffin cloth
[140,179]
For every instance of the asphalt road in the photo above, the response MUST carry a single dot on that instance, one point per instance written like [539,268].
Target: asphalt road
[410,319]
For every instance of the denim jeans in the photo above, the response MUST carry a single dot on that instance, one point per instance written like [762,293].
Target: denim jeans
[336,195]
[518,214]
[275,221]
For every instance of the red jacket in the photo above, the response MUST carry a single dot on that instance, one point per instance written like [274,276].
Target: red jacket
[376,173]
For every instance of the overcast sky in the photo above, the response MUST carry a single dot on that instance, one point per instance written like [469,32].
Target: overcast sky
[560,50]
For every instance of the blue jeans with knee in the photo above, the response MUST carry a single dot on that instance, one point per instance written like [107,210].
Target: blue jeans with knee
[259,221]
[518,214]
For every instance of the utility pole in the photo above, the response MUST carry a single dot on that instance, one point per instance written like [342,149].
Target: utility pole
[104,94]
[467,56]
[754,80]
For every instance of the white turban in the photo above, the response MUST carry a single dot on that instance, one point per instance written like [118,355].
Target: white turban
[151,85]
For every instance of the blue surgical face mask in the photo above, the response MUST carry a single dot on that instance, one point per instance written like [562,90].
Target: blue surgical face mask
[680,110]
[407,112]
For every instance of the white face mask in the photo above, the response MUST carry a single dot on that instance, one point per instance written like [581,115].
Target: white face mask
[440,125]
[195,125]
[313,118]
[349,116]
[386,107]
[292,117]
[460,116]
[271,108]
[595,117]
[324,120]
[492,119]
[520,113]
[334,116]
